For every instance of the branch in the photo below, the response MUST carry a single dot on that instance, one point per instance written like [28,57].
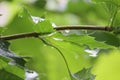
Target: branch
[18,36]
[84,27]
[59,28]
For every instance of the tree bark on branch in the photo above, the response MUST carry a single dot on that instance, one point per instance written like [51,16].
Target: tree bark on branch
[59,28]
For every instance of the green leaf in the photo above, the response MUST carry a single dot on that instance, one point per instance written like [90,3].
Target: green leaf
[44,26]
[44,59]
[73,48]
[40,3]
[107,38]
[84,74]
[3,62]
[9,71]
[5,52]
[20,24]
[117,2]
[117,31]
[112,7]
[82,40]
[5,75]
[90,14]
[75,55]
[116,23]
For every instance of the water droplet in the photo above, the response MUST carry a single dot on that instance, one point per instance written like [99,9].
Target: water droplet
[31,75]
[93,52]
[53,24]
[67,31]
[58,39]
[37,19]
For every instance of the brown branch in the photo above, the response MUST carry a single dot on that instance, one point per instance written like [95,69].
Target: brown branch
[74,27]
[17,36]
[84,27]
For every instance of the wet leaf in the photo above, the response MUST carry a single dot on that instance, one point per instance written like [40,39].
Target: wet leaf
[107,38]
[84,74]
[5,75]
[82,40]
[5,52]
[44,26]
[8,71]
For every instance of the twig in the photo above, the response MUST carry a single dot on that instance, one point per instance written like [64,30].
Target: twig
[72,27]
[84,27]
[113,16]
[18,36]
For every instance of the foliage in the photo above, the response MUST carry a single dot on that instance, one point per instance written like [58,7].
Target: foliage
[84,74]
[60,55]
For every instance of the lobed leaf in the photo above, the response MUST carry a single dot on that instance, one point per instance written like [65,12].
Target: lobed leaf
[74,54]
[112,6]
[44,26]
[5,75]
[117,2]
[107,38]
[8,71]
[84,74]
[44,59]
[21,23]
[82,40]
[5,52]
[73,48]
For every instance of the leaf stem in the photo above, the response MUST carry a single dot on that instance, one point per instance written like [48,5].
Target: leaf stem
[59,28]
[113,16]
[50,44]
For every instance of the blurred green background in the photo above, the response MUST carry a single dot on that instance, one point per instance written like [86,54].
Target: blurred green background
[47,61]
